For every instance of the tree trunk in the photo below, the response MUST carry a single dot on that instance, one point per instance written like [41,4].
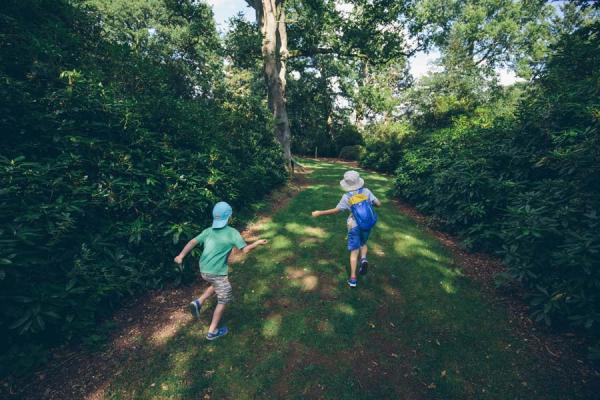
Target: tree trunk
[270,16]
[360,108]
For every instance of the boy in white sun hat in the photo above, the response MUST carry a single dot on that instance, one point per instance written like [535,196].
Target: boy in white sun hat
[359,202]
[218,240]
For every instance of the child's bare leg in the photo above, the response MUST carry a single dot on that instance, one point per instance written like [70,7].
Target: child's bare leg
[363,251]
[207,293]
[353,262]
[219,309]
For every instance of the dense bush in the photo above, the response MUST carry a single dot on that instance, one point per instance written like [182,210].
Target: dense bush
[314,121]
[383,144]
[327,139]
[351,153]
[111,158]
[524,184]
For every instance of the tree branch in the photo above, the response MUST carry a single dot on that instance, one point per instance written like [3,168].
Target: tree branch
[350,54]
[488,53]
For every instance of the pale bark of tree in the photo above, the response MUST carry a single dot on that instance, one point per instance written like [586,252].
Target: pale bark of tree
[270,16]
[360,108]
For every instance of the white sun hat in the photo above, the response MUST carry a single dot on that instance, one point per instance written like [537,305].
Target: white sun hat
[352,181]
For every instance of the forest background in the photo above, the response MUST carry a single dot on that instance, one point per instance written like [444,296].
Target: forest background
[124,121]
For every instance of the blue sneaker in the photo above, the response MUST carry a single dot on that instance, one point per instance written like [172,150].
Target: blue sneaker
[195,308]
[218,333]
[364,264]
[352,282]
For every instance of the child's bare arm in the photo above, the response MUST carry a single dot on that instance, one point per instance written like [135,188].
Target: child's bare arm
[188,247]
[326,212]
[247,249]
[377,202]
[236,254]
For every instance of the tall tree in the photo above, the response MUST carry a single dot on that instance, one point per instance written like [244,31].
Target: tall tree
[270,17]
[372,33]
[179,33]
[484,34]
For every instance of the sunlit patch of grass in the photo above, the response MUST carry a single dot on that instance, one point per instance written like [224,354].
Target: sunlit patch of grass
[299,229]
[272,325]
[302,278]
[345,309]
[448,286]
[316,232]
[280,242]
[377,249]
[309,242]
[295,273]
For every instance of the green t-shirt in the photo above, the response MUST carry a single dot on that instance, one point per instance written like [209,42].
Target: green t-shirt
[217,246]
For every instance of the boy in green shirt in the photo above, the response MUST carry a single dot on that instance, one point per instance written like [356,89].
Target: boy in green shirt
[219,241]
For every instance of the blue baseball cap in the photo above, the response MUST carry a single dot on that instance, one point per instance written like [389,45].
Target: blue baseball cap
[221,213]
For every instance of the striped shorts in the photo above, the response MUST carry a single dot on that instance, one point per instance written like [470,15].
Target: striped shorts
[222,287]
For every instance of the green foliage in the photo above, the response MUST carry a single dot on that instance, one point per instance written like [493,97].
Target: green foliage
[521,181]
[343,66]
[345,134]
[314,121]
[559,207]
[111,158]
[311,114]
[351,153]
[379,88]
[487,33]
[383,144]
[243,43]
[180,33]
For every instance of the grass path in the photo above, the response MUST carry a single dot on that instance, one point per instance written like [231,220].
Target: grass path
[415,328]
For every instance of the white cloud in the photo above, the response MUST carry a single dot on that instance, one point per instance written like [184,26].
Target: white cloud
[334,84]
[344,8]
[507,77]
[423,63]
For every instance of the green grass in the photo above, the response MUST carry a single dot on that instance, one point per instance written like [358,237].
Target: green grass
[414,328]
